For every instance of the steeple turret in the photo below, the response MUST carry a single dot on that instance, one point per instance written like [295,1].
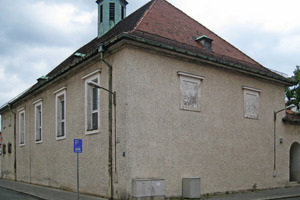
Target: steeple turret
[110,12]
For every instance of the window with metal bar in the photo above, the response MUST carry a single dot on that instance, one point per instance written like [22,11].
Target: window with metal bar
[92,118]
[22,128]
[38,122]
[60,114]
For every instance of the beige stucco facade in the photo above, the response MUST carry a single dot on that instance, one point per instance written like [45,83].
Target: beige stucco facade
[153,137]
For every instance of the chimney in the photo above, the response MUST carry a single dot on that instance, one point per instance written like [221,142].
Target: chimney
[110,12]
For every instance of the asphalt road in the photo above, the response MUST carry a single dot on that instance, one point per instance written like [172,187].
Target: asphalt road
[6,194]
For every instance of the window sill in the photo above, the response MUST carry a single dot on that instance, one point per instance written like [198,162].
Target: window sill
[191,110]
[61,137]
[92,132]
[38,141]
[254,118]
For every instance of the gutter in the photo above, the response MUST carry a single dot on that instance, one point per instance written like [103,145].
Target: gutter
[208,57]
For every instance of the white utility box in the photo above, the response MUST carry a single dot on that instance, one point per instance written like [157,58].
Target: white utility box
[148,187]
[191,188]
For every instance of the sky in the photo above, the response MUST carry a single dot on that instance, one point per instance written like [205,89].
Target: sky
[37,35]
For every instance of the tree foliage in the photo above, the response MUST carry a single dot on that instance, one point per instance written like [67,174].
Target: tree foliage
[292,93]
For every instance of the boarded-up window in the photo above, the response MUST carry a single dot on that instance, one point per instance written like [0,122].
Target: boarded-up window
[251,102]
[190,91]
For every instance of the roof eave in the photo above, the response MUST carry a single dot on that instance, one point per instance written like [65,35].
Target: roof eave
[38,85]
[123,35]
[207,58]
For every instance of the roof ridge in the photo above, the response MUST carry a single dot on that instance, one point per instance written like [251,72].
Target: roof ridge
[145,13]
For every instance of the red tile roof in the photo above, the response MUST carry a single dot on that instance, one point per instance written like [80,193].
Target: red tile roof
[164,20]
[160,23]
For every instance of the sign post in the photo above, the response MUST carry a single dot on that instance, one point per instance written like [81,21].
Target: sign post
[77,150]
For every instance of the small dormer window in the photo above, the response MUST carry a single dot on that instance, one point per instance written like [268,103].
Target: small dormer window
[205,41]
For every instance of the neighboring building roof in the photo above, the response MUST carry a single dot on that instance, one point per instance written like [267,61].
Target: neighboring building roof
[160,24]
[291,117]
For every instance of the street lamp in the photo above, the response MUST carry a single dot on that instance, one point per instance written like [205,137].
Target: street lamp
[275,113]
[93,84]
[288,107]
[110,121]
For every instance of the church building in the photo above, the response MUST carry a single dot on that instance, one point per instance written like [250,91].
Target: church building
[164,108]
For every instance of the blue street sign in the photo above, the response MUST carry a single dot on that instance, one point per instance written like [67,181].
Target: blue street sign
[77,146]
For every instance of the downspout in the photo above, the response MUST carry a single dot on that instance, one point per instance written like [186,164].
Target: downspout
[110,121]
[15,142]
[274,148]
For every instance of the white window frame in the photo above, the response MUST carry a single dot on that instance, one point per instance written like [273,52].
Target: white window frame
[251,109]
[60,120]
[38,121]
[22,113]
[95,77]
[194,79]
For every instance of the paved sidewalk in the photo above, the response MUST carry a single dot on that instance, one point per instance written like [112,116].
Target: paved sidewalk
[43,193]
[271,194]
[46,193]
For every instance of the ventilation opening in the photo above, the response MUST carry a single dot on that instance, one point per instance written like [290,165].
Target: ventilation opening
[205,41]
[101,13]
[112,12]
[123,12]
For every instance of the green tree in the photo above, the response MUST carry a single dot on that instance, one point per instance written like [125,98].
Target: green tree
[292,93]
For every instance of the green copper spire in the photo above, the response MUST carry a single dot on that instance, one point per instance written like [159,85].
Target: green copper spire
[110,12]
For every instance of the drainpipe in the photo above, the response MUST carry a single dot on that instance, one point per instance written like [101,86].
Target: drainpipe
[110,156]
[15,142]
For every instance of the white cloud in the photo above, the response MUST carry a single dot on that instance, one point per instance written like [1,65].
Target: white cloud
[11,85]
[38,34]
[271,15]
[62,16]
[289,44]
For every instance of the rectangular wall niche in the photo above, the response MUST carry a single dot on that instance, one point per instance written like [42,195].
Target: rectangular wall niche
[251,102]
[190,87]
